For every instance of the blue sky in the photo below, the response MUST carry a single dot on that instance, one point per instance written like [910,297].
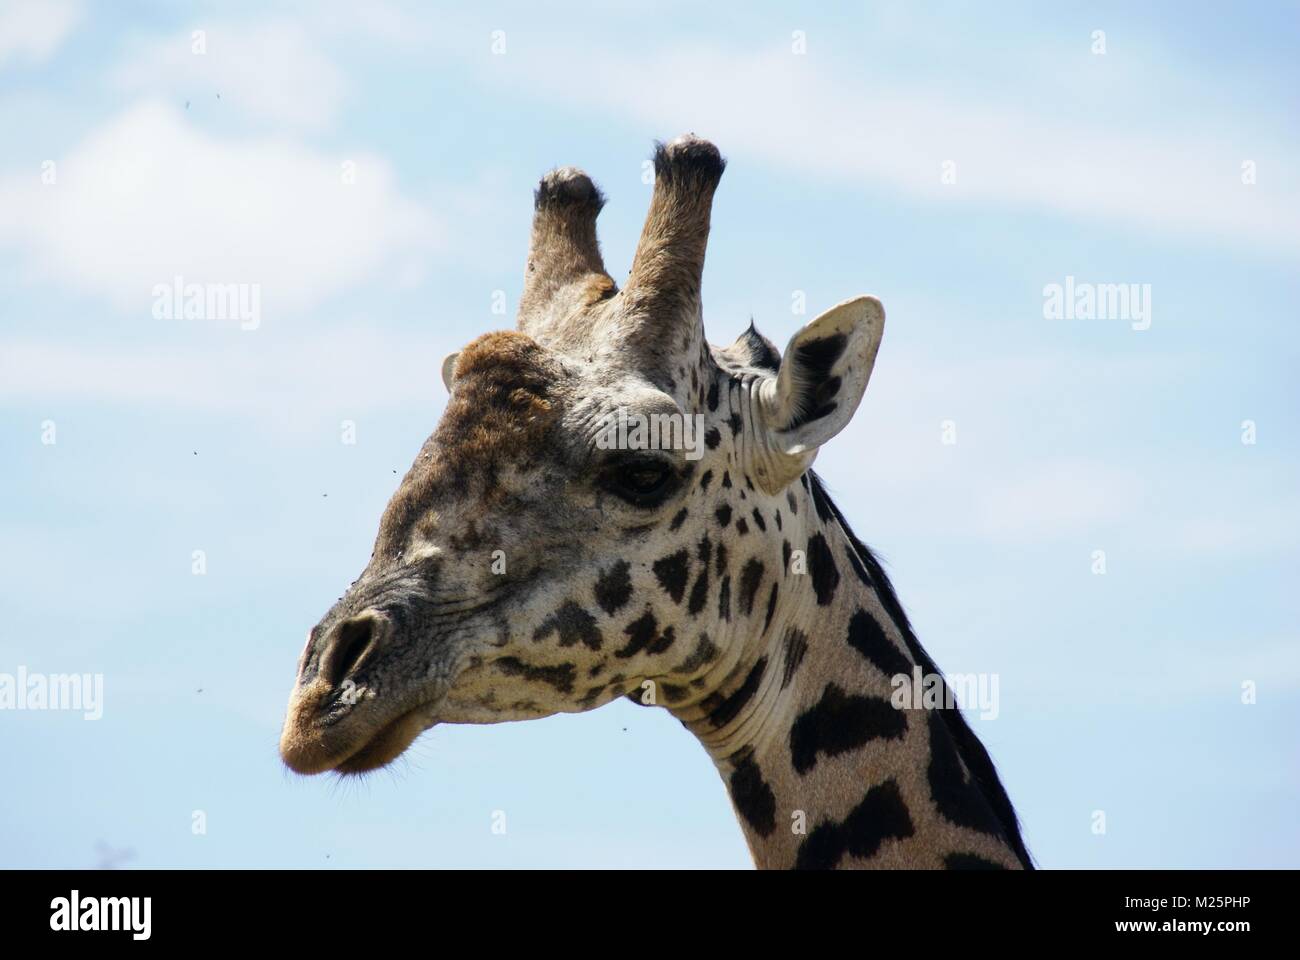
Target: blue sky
[1120,692]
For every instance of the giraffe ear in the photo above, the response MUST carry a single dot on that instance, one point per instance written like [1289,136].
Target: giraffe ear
[449,369]
[819,385]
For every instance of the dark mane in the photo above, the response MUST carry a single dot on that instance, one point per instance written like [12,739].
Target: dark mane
[971,750]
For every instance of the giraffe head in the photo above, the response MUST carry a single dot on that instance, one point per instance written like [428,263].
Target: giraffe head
[586,519]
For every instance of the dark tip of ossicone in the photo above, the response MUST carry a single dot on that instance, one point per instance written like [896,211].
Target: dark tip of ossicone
[688,158]
[568,187]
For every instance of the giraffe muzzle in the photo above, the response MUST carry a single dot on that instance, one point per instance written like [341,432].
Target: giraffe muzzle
[340,716]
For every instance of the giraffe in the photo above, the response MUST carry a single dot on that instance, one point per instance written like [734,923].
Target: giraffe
[525,568]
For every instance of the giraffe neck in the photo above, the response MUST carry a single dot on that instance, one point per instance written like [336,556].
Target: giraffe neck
[822,768]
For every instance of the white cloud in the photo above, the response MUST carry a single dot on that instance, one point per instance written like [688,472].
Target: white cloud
[394,26]
[31,30]
[148,196]
[825,118]
[284,381]
[271,71]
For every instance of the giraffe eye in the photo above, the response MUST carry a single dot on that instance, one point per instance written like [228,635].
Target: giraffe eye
[641,481]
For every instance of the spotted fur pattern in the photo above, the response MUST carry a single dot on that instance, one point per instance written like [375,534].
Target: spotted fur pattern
[518,573]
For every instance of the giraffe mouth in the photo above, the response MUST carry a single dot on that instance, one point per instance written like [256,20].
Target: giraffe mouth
[355,743]
[389,743]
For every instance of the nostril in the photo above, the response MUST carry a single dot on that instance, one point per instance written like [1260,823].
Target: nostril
[349,644]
